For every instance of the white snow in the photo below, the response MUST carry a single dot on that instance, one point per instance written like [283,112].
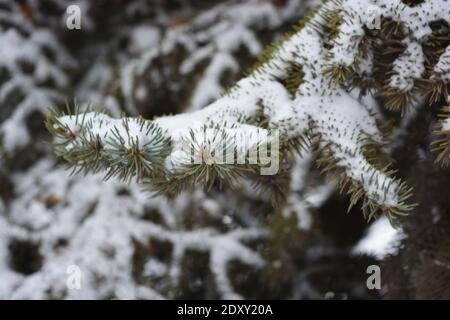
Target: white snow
[442,68]
[446,125]
[409,66]
[381,240]
[15,50]
[100,227]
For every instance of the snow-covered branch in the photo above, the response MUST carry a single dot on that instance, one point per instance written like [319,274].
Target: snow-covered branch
[306,86]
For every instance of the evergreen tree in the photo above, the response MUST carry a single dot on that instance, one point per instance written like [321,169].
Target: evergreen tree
[358,93]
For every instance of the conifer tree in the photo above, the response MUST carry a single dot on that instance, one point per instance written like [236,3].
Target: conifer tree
[357,92]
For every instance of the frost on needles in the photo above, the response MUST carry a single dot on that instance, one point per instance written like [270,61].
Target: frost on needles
[319,86]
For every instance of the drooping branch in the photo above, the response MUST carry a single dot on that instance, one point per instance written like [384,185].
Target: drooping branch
[312,87]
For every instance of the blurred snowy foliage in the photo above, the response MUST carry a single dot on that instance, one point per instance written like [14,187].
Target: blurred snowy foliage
[155,59]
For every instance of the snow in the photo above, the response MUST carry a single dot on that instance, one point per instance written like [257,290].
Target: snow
[215,36]
[446,125]
[133,131]
[144,38]
[409,66]
[302,199]
[15,50]
[210,86]
[381,240]
[416,20]
[442,68]
[110,223]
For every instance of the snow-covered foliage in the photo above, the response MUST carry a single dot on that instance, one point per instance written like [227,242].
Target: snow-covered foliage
[212,50]
[34,75]
[125,243]
[76,223]
[319,107]
[329,88]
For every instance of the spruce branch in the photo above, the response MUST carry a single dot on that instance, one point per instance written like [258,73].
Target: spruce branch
[93,141]
[307,86]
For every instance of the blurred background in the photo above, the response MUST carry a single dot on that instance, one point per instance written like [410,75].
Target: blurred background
[66,236]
